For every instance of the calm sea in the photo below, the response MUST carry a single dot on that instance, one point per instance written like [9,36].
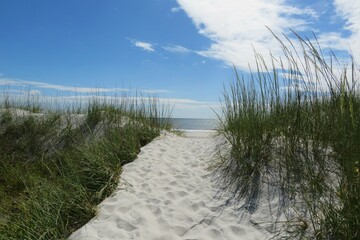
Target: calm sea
[194,123]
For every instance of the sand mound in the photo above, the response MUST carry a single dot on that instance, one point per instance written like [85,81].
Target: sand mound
[168,193]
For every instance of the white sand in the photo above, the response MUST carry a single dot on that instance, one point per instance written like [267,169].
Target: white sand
[168,193]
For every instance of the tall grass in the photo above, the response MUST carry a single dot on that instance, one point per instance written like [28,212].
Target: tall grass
[293,128]
[57,165]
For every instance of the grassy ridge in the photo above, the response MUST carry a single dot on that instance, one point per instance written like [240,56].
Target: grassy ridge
[295,126]
[57,166]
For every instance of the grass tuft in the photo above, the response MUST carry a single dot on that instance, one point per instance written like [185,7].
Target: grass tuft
[56,166]
[293,134]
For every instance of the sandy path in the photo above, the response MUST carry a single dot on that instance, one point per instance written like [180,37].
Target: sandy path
[167,193]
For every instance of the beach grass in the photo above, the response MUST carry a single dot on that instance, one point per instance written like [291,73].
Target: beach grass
[293,130]
[58,163]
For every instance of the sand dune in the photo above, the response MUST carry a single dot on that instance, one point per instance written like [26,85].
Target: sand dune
[168,193]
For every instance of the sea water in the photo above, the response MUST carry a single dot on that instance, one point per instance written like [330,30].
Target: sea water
[194,123]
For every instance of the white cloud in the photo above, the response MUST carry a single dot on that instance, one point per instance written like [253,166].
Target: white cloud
[181,107]
[190,108]
[350,11]
[153,91]
[35,92]
[10,82]
[144,45]
[17,92]
[24,83]
[236,26]
[177,49]
[175,9]
[170,101]
[333,40]
[32,84]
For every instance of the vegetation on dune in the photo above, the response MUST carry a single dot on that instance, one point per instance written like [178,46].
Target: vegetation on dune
[293,128]
[55,167]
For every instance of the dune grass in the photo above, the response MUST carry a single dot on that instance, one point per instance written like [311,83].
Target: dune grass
[57,165]
[293,127]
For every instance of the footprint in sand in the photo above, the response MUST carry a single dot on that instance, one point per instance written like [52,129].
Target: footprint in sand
[167,202]
[120,223]
[170,199]
[170,195]
[182,194]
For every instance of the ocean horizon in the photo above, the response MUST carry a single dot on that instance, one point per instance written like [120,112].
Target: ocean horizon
[194,123]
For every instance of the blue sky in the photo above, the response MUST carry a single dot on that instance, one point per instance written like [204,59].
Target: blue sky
[181,50]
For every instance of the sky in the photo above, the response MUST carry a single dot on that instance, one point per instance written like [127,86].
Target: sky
[182,51]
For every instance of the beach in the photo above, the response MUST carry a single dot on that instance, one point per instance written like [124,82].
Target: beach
[169,193]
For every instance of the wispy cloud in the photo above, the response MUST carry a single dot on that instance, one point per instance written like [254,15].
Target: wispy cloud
[24,83]
[153,91]
[237,26]
[10,82]
[144,46]
[33,84]
[189,108]
[17,92]
[170,101]
[177,49]
[175,9]
[182,107]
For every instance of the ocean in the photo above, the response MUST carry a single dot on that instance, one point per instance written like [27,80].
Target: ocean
[194,123]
